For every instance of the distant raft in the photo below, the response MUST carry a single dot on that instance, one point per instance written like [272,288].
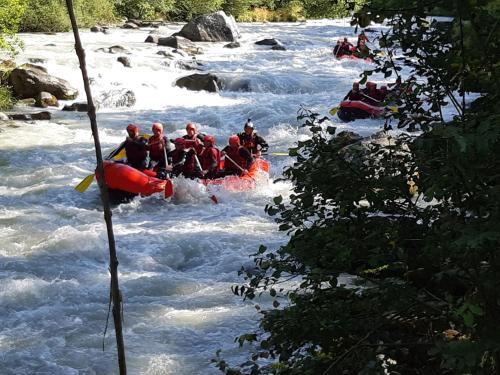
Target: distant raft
[350,110]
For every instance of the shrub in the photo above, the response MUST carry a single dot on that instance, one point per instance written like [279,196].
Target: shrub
[11,12]
[188,9]
[144,9]
[6,99]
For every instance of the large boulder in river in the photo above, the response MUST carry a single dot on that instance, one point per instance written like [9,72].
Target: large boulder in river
[29,80]
[198,82]
[215,27]
[181,43]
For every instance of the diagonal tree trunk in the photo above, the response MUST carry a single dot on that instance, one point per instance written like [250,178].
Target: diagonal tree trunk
[113,260]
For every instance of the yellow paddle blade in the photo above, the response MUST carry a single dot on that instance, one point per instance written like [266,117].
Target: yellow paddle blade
[333,111]
[82,186]
[279,153]
[393,108]
[381,53]
[121,155]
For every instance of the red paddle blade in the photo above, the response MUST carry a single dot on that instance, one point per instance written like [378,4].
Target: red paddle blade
[169,189]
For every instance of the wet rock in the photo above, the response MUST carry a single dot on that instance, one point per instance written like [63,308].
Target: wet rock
[180,52]
[198,82]
[113,50]
[233,45]
[45,99]
[76,107]
[215,27]
[50,45]
[124,60]
[30,80]
[188,65]
[278,47]
[116,98]
[130,25]
[166,54]
[96,29]
[152,39]
[37,60]
[267,42]
[30,116]
[179,42]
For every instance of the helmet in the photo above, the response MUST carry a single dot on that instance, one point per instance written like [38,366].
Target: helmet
[180,141]
[234,140]
[249,124]
[355,84]
[370,84]
[132,128]
[190,126]
[158,126]
[210,139]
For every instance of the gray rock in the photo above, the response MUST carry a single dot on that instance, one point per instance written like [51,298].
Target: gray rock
[267,42]
[130,25]
[233,45]
[28,81]
[198,82]
[124,60]
[166,54]
[45,99]
[188,65]
[37,60]
[179,42]
[96,29]
[76,107]
[278,47]
[28,102]
[31,116]
[118,49]
[152,39]
[215,27]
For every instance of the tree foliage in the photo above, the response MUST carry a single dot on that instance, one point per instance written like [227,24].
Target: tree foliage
[394,246]
[144,9]
[11,12]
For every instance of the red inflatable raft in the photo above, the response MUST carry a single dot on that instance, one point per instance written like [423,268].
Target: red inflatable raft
[353,57]
[124,178]
[241,183]
[350,110]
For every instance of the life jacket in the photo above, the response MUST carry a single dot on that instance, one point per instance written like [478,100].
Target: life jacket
[353,95]
[235,155]
[198,139]
[136,152]
[156,146]
[209,157]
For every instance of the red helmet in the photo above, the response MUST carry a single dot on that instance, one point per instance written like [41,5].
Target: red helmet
[190,126]
[210,139]
[234,140]
[158,126]
[180,141]
[133,129]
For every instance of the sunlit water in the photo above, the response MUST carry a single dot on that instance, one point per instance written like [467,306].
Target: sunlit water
[178,258]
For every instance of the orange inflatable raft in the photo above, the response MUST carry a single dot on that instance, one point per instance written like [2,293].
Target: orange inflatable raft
[241,183]
[123,178]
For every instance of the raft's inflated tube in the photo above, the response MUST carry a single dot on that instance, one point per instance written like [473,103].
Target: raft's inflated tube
[350,110]
[124,177]
[244,182]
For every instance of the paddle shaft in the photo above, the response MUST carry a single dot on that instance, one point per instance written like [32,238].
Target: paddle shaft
[232,161]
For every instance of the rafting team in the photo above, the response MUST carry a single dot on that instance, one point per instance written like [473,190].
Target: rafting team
[346,48]
[193,155]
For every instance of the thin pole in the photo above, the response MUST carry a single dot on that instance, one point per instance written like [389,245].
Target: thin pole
[113,260]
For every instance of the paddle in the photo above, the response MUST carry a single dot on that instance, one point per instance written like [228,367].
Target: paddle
[243,171]
[212,197]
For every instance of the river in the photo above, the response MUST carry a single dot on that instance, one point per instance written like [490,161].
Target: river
[178,258]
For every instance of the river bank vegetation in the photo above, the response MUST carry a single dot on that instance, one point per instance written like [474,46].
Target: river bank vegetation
[394,246]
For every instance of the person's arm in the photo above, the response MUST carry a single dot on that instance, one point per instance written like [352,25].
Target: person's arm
[262,143]
[247,155]
[348,95]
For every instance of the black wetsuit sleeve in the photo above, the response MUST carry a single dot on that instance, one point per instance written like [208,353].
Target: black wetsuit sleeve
[262,143]
[247,155]
[116,151]
[347,95]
